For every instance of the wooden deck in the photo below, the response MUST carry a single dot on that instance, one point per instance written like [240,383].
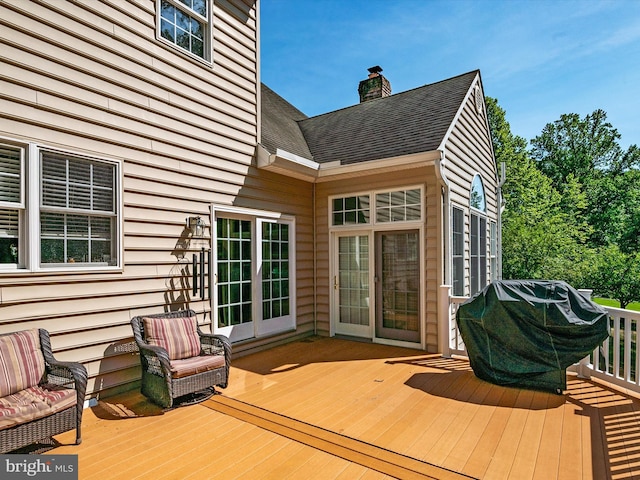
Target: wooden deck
[333,409]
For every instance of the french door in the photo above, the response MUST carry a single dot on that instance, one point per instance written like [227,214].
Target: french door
[398,285]
[351,286]
[376,285]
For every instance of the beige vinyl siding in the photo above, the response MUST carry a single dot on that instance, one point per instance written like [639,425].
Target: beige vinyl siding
[400,179]
[468,152]
[89,77]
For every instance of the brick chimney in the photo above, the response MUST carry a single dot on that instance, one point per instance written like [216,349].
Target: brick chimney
[376,86]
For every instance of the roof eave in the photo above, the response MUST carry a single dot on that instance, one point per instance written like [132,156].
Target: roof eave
[291,165]
[287,163]
[337,171]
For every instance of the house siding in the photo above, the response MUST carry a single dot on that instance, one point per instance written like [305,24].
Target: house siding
[424,176]
[468,151]
[90,77]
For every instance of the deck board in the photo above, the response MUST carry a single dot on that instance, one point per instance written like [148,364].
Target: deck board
[412,405]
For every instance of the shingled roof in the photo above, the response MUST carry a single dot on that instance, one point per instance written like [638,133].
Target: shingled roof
[280,125]
[406,123]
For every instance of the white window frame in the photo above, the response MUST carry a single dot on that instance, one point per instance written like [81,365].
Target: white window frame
[29,242]
[374,208]
[207,22]
[258,327]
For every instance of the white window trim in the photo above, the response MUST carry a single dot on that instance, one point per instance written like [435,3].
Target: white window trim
[260,327]
[29,230]
[208,34]
[372,209]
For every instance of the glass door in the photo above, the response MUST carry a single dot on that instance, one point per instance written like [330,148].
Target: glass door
[233,274]
[398,285]
[351,286]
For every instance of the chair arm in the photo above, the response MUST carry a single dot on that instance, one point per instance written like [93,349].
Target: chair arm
[62,373]
[215,344]
[157,359]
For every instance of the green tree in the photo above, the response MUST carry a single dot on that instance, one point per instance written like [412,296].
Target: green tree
[580,146]
[588,150]
[617,275]
[539,239]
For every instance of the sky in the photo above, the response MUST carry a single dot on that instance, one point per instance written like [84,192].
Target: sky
[539,58]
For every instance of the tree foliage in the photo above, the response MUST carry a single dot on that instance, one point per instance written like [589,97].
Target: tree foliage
[617,275]
[540,240]
[572,204]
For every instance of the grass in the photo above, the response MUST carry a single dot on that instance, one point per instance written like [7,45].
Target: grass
[607,302]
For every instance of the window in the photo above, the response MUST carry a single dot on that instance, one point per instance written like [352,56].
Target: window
[478,253]
[457,272]
[351,210]
[11,202]
[253,255]
[390,206]
[186,24]
[78,211]
[477,195]
[398,206]
[68,218]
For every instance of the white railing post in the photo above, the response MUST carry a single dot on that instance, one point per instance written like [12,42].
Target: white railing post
[444,320]
[583,369]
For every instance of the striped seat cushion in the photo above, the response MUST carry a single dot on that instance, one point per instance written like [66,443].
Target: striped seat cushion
[192,366]
[21,361]
[178,336]
[33,403]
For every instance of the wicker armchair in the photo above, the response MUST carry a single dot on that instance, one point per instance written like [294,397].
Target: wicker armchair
[165,377]
[57,375]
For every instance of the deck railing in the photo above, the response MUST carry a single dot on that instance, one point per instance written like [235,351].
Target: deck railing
[615,361]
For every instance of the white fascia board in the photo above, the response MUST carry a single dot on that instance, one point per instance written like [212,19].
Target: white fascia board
[334,170]
[287,163]
[292,165]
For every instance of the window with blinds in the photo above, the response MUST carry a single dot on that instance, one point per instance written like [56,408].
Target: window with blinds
[11,202]
[77,211]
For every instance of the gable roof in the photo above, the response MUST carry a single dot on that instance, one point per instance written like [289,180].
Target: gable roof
[409,122]
[405,123]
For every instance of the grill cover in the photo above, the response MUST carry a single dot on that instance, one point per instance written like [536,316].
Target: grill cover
[525,333]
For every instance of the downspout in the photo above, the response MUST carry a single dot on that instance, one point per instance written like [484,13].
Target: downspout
[501,207]
[446,245]
[315,262]
[444,289]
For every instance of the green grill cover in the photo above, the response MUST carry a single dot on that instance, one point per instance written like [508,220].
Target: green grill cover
[525,333]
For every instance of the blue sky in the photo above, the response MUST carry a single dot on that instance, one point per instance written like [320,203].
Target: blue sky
[539,58]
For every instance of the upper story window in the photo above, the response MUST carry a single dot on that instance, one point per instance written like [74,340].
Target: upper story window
[478,200]
[390,206]
[67,218]
[186,24]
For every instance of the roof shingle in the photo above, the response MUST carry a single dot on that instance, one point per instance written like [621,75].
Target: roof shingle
[406,123]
